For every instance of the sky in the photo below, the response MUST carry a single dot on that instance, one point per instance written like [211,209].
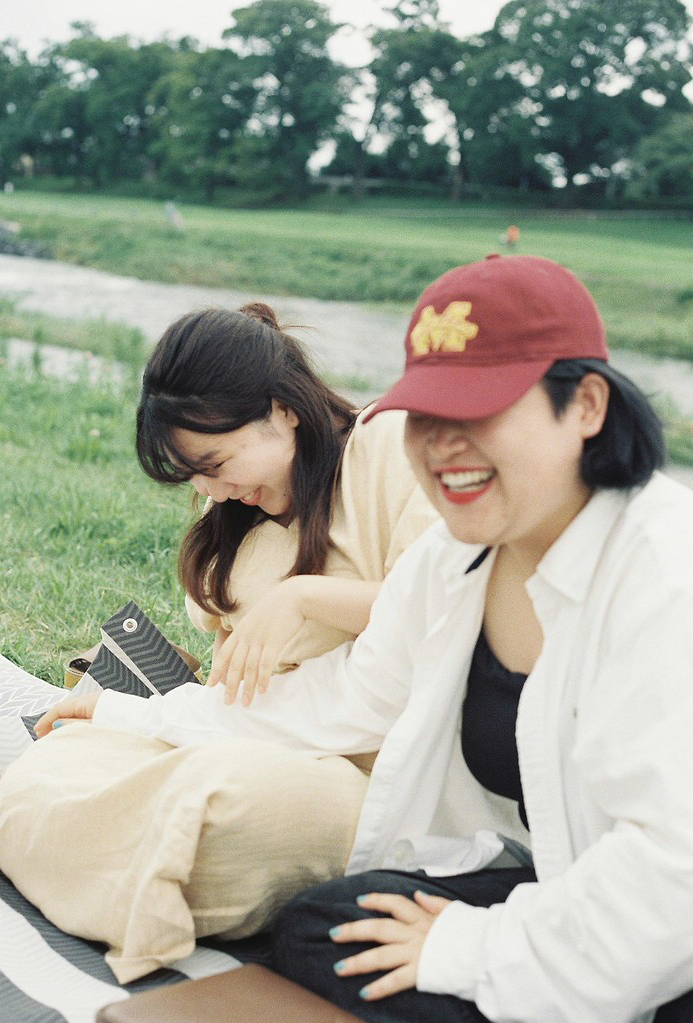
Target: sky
[33,22]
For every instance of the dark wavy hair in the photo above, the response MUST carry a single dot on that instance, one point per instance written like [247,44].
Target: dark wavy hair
[630,445]
[214,371]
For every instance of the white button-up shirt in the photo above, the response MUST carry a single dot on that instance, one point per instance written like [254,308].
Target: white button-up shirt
[605,743]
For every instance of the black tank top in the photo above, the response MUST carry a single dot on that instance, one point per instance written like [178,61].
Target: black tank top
[489,713]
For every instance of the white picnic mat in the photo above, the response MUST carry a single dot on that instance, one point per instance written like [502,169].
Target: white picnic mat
[20,694]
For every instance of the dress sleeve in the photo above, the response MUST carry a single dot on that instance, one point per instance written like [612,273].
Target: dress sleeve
[381,510]
[416,515]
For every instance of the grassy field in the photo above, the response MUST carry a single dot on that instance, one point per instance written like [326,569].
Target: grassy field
[83,530]
[638,267]
[114,341]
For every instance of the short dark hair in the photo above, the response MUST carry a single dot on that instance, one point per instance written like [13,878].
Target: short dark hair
[630,445]
[214,371]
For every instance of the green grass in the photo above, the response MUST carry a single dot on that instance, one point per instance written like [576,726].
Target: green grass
[82,530]
[638,267]
[114,341]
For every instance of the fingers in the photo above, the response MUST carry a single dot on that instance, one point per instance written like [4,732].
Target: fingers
[240,668]
[66,711]
[384,957]
[45,723]
[227,667]
[220,662]
[243,668]
[434,904]
[248,655]
[399,907]
[396,956]
[390,984]
[241,662]
[396,939]
[257,670]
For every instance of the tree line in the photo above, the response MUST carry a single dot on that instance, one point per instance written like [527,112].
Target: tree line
[583,93]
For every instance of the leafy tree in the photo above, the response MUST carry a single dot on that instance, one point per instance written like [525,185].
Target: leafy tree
[419,63]
[201,108]
[23,85]
[411,60]
[595,75]
[115,78]
[60,127]
[663,162]
[283,44]
[495,143]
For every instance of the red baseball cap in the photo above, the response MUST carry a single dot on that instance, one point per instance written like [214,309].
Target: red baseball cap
[482,334]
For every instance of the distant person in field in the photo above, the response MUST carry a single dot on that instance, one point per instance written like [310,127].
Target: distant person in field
[512,236]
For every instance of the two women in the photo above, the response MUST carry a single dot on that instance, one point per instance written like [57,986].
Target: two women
[525,847]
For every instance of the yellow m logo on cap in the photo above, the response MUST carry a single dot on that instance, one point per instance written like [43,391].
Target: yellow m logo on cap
[447,332]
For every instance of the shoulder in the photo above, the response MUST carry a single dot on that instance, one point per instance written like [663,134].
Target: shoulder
[375,450]
[661,497]
[385,429]
[647,553]
[660,514]
[658,520]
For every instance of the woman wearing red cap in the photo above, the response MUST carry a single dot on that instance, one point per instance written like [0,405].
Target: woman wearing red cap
[525,848]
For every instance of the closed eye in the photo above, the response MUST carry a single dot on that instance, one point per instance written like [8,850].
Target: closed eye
[209,469]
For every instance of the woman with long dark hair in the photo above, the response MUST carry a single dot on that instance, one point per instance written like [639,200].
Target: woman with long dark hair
[305,512]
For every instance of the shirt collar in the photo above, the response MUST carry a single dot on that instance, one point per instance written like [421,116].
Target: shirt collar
[570,563]
[462,561]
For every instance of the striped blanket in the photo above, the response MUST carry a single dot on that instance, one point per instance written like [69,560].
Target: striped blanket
[46,975]
[21,694]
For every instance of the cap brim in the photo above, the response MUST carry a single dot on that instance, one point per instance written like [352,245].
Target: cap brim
[448,392]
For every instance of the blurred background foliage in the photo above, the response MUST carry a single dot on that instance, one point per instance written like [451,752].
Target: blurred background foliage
[577,101]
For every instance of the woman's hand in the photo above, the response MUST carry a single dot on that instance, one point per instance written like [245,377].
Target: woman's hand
[399,936]
[252,650]
[250,653]
[74,709]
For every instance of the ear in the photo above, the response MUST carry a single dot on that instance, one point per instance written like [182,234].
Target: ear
[591,401]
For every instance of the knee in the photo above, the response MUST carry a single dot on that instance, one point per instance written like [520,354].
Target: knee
[304,921]
[301,930]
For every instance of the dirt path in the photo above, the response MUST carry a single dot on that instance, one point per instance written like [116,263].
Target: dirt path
[347,339]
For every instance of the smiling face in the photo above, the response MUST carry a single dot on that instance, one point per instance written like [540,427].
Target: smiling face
[512,478]
[252,464]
